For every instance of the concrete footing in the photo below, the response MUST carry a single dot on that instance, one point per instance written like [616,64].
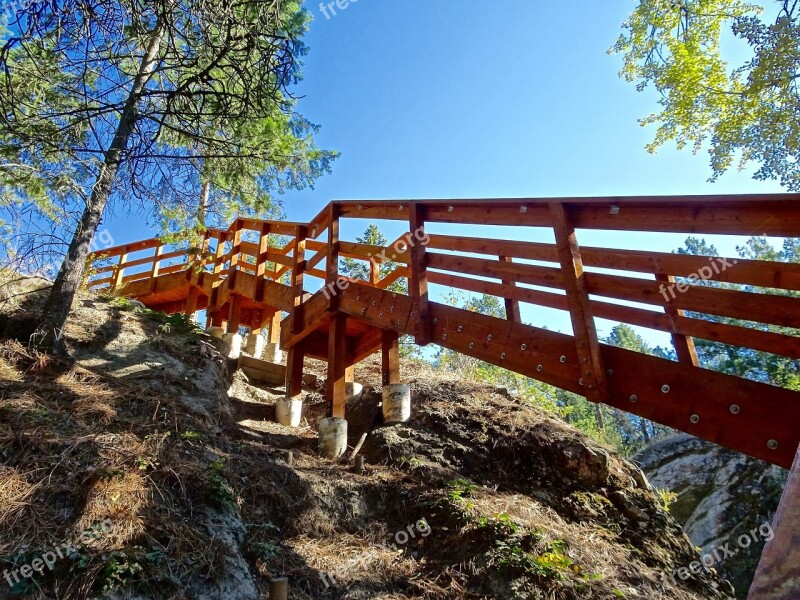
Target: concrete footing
[272,353]
[396,403]
[352,390]
[216,332]
[289,412]
[254,346]
[234,343]
[332,437]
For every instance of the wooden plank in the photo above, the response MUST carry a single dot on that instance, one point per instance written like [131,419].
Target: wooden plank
[526,250]
[390,357]
[756,339]
[749,306]
[684,345]
[154,270]
[481,267]
[511,304]
[548,299]
[395,275]
[418,283]
[119,273]
[337,364]
[583,326]
[366,251]
[274,328]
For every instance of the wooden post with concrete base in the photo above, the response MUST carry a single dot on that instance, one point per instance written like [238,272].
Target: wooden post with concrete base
[289,409]
[333,430]
[778,574]
[396,396]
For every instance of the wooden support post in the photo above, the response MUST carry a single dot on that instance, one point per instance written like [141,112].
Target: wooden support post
[294,371]
[337,361]
[593,374]
[778,573]
[374,273]
[684,345]
[275,328]
[390,357]
[512,306]
[350,374]
[298,270]
[234,313]
[332,264]
[418,286]
[191,302]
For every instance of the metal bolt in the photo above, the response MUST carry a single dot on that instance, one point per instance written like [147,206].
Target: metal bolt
[489,337]
[400,207]
[695,419]
[609,372]
[460,329]
[444,336]
[472,344]
[380,315]
[580,381]
[633,398]
[735,409]
[584,360]
[539,367]
[435,321]
[502,356]
[523,347]
[587,373]
[563,359]
[523,209]
[772,444]
[665,389]
[449,209]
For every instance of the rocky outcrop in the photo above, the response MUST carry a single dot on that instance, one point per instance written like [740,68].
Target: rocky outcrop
[724,498]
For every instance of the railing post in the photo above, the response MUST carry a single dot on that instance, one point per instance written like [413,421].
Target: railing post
[418,285]
[298,270]
[263,251]
[119,272]
[593,374]
[236,248]
[332,263]
[219,253]
[512,306]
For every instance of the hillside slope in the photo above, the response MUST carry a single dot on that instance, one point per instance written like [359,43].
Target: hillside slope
[478,496]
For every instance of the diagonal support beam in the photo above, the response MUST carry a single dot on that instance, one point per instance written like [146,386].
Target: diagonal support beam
[593,374]
[683,344]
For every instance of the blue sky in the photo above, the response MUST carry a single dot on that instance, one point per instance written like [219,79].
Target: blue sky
[446,99]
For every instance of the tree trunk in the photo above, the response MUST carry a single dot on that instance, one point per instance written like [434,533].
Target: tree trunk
[598,415]
[645,433]
[62,295]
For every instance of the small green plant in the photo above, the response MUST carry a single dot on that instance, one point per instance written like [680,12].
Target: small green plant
[118,571]
[190,435]
[666,497]
[220,490]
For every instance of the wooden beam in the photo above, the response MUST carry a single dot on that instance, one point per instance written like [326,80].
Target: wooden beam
[418,285]
[191,302]
[683,344]
[512,305]
[390,357]
[593,373]
[337,365]
[778,573]
[274,328]
[481,267]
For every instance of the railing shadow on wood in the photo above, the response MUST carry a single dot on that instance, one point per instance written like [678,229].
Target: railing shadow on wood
[685,296]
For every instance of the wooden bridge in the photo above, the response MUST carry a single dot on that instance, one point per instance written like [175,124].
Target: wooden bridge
[256,271]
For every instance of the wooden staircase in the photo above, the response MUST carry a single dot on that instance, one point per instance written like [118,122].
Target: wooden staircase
[258,274]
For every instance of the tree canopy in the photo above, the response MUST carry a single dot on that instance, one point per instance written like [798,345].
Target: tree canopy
[726,72]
